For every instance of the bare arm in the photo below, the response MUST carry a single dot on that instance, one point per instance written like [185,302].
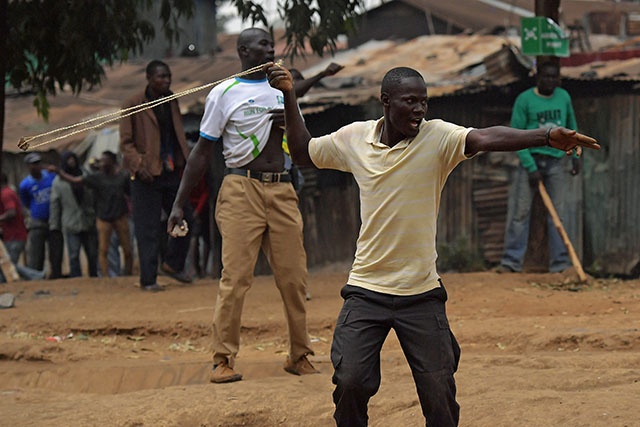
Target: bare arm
[503,138]
[195,168]
[302,86]
[297,134]
[65,176]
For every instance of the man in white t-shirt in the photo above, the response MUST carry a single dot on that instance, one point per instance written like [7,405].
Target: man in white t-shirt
[257,206]
[401,163]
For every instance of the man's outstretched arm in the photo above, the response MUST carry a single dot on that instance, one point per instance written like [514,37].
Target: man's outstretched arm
[297,134]
[302,86]
[502,138]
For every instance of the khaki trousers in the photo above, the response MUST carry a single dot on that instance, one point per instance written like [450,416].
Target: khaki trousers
[121,226]
[253,215]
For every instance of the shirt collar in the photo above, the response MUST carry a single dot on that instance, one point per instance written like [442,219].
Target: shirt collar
[373,137]
[375,133]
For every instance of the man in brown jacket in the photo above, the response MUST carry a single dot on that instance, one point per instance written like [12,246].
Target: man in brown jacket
[154,147]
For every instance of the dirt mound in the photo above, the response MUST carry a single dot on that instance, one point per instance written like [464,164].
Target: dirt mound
[537,350]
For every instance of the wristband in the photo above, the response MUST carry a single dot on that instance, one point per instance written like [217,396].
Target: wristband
[546,137]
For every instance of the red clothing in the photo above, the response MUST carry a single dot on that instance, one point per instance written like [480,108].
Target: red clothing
[14,228]
[199,196]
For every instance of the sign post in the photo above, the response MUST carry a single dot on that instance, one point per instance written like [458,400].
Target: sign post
[543,37]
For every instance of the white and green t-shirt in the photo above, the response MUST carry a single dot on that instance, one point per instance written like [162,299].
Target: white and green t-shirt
[236,111]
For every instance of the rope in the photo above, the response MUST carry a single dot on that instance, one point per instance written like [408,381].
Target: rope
[24,142]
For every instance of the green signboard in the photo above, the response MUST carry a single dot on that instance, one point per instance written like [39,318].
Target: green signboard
[542,36]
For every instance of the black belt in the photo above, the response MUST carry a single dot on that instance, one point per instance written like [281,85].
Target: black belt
[268,177]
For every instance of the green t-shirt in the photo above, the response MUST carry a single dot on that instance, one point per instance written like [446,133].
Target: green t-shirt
[532,111]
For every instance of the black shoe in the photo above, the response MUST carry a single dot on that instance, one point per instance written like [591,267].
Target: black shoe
[180,276]
[152,288]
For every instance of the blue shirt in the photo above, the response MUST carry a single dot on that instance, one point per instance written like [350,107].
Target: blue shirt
[36,194]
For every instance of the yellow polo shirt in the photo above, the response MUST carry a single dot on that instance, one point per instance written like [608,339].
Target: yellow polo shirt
[400,191]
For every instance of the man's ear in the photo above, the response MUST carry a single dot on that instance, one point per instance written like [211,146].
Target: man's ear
[384,98]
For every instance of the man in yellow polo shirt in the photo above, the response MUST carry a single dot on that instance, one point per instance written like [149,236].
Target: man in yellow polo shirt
[401,163]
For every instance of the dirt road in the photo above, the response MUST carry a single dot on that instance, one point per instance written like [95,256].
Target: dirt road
[536,351]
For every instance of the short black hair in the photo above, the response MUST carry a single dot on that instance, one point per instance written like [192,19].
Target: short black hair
[151,66]
[392,79]
[248,34]
[111,155]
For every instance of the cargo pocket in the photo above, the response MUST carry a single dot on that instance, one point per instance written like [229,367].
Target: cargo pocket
[444,350]
[339,339]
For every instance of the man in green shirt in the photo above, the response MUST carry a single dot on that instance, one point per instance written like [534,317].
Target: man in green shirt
[544,106]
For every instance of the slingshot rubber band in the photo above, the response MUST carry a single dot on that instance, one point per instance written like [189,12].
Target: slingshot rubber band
[24,143]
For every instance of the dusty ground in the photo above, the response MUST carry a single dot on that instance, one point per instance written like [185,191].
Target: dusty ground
[535,352]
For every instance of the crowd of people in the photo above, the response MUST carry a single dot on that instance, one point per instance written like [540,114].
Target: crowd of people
[69,207]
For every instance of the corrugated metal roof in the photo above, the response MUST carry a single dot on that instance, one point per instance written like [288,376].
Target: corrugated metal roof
[448,64]
[626,69]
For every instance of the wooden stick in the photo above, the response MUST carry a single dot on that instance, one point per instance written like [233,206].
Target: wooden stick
[556,221]
[8,269]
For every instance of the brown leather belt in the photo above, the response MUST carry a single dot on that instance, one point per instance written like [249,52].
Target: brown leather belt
[267,177]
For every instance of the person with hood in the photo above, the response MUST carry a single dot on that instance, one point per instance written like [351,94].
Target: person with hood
[73,212]
[112,209]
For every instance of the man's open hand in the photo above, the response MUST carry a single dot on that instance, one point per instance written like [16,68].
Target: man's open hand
[568,140]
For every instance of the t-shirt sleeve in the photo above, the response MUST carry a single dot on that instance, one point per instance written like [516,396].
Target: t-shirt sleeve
[23,192]
[519,114]
[332,151]
[214,118]
[519,121]
[453,141]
